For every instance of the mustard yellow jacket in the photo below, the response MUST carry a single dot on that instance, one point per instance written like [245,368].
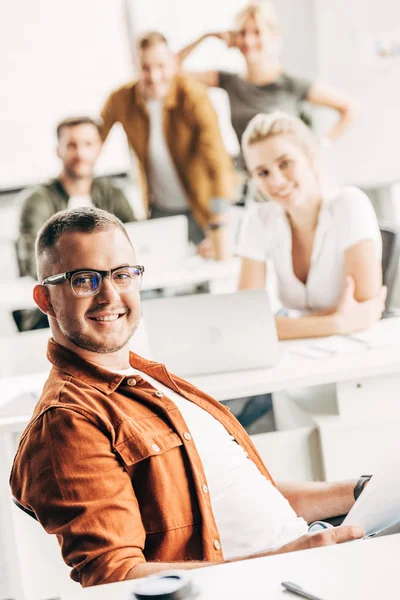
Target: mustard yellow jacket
[192,135]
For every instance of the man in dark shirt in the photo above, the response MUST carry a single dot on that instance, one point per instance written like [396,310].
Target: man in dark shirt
[79,145]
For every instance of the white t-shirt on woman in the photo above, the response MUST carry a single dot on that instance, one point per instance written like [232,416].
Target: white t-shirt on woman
[346,218]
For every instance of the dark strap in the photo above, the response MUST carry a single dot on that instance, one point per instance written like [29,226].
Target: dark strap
[360,485]
[24,509]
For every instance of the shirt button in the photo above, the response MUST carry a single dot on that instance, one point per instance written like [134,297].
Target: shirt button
[217,544]
[131,382]
[187,436]
[156,448]
[159,394]
[205,489]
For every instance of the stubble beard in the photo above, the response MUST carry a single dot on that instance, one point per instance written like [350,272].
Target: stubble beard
[85,342]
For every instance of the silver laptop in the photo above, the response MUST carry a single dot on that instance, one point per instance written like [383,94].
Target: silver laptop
[212,333]
[160,242]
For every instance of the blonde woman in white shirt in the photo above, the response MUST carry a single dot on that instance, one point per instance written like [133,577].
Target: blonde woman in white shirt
[326,248]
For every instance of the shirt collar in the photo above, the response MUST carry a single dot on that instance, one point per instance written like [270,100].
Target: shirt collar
[94,375]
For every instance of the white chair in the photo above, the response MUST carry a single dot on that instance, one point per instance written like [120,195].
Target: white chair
[34,568]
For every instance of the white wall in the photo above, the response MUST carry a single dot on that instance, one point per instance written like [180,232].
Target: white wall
[347,33]
[56,59]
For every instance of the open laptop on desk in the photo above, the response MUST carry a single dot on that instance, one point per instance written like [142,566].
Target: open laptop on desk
[160,242]
[207,333]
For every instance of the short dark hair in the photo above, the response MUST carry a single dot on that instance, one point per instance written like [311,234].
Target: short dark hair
[84,219]
[74,121]
[150,39]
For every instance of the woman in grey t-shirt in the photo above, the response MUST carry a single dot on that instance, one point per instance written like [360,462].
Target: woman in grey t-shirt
[265,87]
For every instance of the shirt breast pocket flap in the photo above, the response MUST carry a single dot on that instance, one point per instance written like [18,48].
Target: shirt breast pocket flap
[147,445]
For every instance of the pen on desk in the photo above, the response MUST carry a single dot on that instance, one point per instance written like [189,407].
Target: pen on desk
[296,589]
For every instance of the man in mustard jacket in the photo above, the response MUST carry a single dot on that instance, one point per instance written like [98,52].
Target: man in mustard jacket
[173,129]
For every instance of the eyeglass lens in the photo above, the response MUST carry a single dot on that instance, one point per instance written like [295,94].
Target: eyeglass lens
[87,283]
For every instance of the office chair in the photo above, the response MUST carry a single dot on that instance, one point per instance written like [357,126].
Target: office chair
[390,258]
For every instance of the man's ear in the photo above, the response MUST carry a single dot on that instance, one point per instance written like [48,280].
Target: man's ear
[41,296]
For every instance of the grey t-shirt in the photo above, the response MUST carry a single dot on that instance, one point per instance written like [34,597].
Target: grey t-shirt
[247,99]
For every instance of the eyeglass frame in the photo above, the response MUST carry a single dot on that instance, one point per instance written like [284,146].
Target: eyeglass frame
[67,276]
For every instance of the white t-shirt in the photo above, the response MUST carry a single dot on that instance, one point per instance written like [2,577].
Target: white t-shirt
[345,218]
[165,186]
[251,514]
[79,201]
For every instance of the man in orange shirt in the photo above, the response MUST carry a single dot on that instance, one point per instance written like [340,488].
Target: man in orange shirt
[133,468]
[173,129]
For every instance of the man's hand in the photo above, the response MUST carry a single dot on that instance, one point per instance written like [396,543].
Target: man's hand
[327,537]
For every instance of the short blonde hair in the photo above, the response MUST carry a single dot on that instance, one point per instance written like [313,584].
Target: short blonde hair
[263,126]
[150,39]
[263,12]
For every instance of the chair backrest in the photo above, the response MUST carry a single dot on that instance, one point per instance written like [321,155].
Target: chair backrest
[390,257]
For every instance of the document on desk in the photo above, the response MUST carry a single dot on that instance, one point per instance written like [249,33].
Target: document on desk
[327,346]
[378,507]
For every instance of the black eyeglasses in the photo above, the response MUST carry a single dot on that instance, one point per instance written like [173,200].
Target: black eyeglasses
[86,282]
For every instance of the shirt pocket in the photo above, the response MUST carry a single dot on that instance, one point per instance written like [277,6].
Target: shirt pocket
[140,446]
[157,464]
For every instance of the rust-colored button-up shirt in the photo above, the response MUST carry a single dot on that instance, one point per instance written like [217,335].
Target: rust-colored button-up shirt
[192,135]
[105,465]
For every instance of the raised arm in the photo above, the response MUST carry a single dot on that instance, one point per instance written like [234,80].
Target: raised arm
[325,95]
[209,78]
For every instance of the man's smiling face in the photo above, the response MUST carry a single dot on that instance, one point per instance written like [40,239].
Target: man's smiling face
[102,323]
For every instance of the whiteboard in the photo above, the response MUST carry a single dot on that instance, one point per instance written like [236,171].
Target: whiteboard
[57,59]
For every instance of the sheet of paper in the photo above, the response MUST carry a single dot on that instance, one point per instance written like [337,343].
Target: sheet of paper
[328,346]
[378,506]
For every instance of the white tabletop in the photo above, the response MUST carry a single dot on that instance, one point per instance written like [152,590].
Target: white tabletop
[379,356]
[365,570]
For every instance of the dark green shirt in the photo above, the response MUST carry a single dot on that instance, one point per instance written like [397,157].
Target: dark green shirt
[51,197]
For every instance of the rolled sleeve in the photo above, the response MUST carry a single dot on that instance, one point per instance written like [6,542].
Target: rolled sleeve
[253,236]
[68,473]
[300,87]
[356,219]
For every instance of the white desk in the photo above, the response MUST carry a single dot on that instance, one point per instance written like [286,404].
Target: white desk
[295,370]
[361,570]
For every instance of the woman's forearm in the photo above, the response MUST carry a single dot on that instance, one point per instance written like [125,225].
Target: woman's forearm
[184,53]
[307,326]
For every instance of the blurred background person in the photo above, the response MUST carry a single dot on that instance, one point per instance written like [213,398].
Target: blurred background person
[78,146]
[265,86]
[326,247]
[173,129]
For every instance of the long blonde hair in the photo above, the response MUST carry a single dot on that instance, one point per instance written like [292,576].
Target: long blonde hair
[263,13]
